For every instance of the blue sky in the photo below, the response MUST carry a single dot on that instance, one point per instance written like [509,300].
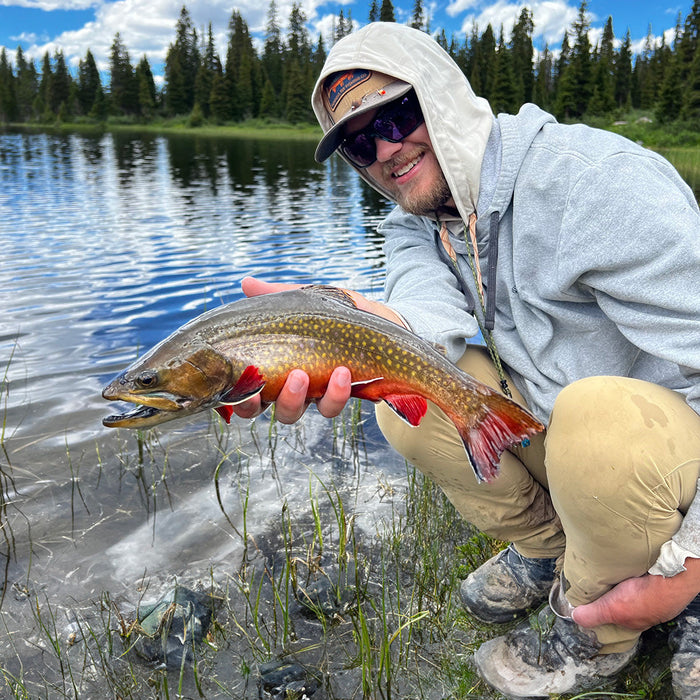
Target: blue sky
[147,26]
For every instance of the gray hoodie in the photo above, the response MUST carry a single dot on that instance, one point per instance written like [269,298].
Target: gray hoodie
[589,244]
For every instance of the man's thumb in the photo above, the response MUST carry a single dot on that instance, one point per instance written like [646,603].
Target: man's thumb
[589,615]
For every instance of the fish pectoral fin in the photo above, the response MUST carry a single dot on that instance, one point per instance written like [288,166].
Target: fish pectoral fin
[409,407]
[250,383]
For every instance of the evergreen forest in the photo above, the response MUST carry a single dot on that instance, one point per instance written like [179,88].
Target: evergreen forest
[204,84]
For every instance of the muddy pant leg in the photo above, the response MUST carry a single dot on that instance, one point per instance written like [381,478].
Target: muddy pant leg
[623,460]
[516,507]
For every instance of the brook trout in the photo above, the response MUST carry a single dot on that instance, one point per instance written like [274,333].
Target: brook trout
[248,347]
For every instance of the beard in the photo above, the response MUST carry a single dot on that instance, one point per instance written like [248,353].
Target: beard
[422,199]
[427,203]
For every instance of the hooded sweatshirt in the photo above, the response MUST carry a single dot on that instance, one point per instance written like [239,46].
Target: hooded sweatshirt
[589,244]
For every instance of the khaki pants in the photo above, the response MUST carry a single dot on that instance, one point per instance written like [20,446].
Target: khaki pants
[605,488]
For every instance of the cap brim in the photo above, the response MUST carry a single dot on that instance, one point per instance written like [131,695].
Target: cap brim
[334,136]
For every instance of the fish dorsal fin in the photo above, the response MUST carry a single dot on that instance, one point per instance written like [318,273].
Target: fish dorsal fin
[331,292]
[440,348]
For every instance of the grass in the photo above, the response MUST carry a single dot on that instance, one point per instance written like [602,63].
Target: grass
[359,612]
[252,128]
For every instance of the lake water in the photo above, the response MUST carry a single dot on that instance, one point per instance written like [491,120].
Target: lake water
[109,243]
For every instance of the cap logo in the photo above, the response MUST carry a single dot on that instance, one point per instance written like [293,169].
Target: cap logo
[343,84]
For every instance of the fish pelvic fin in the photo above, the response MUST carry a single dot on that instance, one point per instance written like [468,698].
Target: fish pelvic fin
[503,425]
[409,407]
[225,411]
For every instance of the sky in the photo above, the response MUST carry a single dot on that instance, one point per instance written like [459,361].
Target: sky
[147,27]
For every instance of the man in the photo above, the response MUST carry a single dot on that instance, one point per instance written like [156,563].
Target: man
[578,253]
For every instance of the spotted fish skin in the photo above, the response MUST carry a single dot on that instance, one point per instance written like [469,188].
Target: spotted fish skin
[249,347]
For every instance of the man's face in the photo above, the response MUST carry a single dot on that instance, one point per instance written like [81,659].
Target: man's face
[408,170]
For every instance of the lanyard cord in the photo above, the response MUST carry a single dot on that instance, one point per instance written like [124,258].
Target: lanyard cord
[473,255]
[476,271]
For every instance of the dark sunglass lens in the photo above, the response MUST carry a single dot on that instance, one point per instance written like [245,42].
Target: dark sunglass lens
[398,120]
[360,149]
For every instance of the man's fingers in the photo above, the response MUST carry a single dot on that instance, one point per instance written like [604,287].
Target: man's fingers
[337,393]
[253,287]
[291,402]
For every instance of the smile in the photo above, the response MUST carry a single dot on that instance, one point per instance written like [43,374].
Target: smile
[406,168]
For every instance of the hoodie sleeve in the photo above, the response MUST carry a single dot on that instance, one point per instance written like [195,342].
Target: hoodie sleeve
[420,285]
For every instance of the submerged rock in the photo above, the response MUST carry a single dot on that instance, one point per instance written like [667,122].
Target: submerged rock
[280,680]
[173,627]
[328,591]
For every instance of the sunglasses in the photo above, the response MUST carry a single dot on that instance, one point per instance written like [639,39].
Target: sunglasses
[392,123]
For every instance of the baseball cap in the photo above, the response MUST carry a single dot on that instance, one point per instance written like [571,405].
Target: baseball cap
[346,94]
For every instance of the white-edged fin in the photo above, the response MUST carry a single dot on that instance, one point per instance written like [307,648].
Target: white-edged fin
[367,381]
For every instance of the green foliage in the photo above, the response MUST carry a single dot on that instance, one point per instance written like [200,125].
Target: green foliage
[275,83]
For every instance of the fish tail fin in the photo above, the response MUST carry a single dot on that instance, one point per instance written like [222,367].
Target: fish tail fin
[503,424]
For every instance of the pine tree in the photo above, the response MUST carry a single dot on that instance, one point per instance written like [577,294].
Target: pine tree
[209,66]
[543,91]
[418,15]
[503,97]
[219,103]
[343,27]
[88,83]
[485,66]
[373,11]
[603,96]
[123,88]
[41,102]
[147,94]
[690,110]
[60,86]
[522,53]
[242,70]
[8,96]
[298,68]
[181,66]
[386,12]
[623,73]
[26,86]
[687,43]
[272,58]
[575,82]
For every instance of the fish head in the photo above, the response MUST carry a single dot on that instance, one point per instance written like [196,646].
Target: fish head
[166,385]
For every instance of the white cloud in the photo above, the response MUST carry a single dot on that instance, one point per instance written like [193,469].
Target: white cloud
[49,5]
[550,17]
[149,27]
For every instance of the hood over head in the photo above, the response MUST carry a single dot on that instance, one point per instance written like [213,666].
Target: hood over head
[458,122]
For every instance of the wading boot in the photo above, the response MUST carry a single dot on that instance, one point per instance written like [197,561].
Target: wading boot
[545,655]
[506,586]
[685,664]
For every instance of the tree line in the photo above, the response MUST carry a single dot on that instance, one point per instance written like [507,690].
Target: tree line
[275,83]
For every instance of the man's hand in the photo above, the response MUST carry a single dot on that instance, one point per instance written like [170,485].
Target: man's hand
[642,602]
[292,402]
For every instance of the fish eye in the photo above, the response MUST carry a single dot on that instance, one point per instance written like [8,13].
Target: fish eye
[147,379]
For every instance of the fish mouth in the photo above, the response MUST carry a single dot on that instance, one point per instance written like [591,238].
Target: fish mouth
[139,417]
[151,409]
